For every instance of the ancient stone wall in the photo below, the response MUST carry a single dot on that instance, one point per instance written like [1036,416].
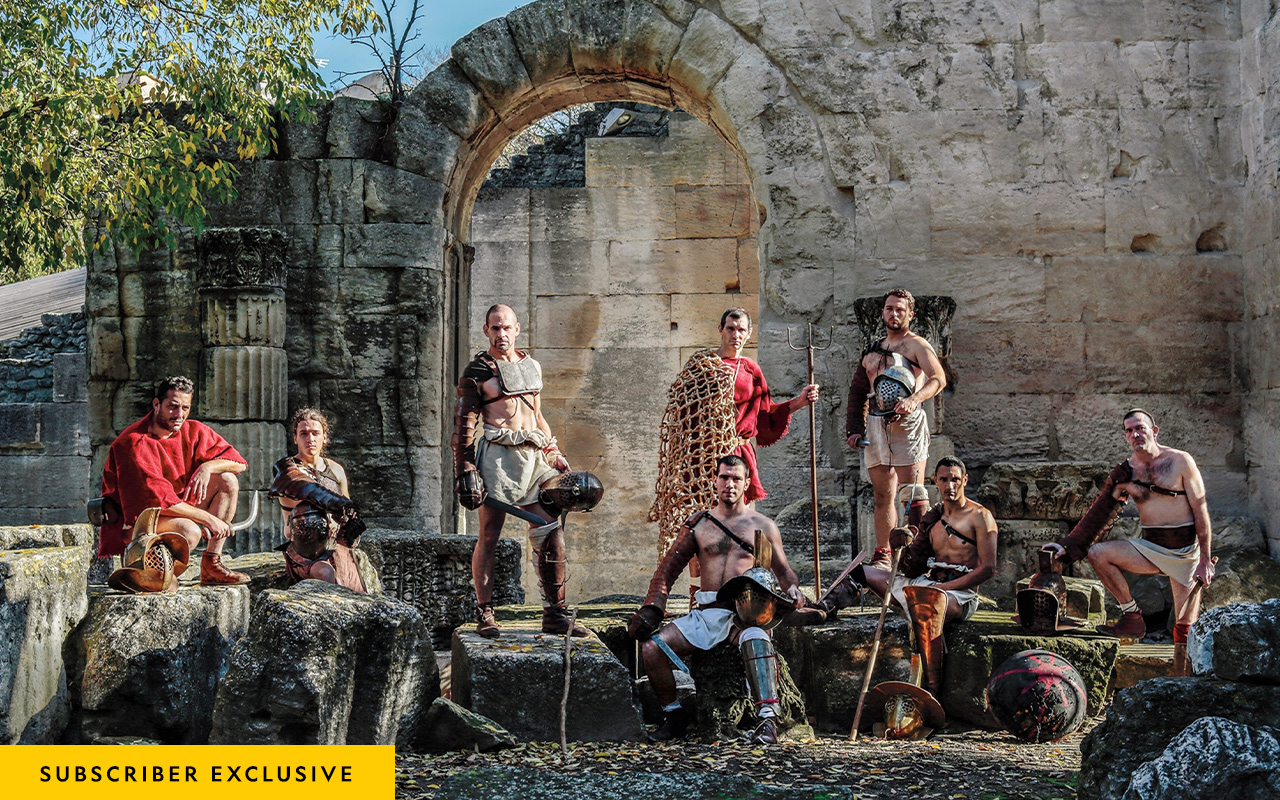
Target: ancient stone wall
[616,283]
[1259,355]
[1078,176]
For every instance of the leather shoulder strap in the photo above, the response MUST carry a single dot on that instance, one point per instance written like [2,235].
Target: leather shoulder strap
[729,533]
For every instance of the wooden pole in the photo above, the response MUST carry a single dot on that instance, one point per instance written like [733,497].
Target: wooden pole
[875,646]
[564,697]
[813,477]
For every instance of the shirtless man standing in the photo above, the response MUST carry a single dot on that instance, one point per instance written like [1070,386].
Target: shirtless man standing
[719,537]
[903,371]
[509,461]
[1166,486]
[941,569]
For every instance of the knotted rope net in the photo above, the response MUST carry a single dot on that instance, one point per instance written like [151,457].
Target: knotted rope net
[698,427]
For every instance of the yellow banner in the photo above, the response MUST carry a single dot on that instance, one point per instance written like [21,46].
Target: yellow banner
[247,772]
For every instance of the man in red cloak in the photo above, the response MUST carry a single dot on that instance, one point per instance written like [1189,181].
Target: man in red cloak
[182,467]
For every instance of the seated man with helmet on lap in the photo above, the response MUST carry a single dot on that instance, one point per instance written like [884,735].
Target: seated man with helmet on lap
[740,599]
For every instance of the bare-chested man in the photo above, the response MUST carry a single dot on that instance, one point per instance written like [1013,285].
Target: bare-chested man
[895,376]
[941,571]
[509,460]
[1166,486]
[710,535]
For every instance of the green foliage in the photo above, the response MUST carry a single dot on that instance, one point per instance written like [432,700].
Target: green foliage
[132,114]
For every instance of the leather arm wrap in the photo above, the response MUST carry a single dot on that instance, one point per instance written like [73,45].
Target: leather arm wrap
[856,419]
[293,482]
[915,561]
[682,550]
[1097,521]
[466,422]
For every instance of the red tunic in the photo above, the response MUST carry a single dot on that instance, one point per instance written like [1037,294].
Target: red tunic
[145,472]
[758,417]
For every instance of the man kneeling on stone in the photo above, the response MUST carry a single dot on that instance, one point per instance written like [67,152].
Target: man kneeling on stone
[509,467]
[953,552]
[166,473]
[1166,486]
[323,525]
[720,538]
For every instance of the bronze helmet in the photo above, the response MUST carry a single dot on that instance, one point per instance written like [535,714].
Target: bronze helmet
[757,598]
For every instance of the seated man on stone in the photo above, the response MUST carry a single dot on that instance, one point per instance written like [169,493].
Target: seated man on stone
[1165,485]
[940,570]
[720,537]
[323,525]
[181,467]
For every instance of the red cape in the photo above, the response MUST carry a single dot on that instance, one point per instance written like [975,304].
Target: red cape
[145,472]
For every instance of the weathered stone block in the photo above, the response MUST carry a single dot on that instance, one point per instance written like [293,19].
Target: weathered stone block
[1017,544]
[724,704]
[707,50]
[1211,756]
[1144,719]
[670,265]
[1235,642]
[448,726]
[244,383]
[835,531]
[356,128]
[433,573]
[1045,491]
[830,661]
[149,665]
[1142,662]
[262,444]
[489,57]
[397,195]
[70,378]
[713,211]
[43,596]
[1086,598]
[542,32]
[106,350]
[19,425]
[600,706]
[239,318]
[28,537]
[975,648]
[321,664]
[1245,576]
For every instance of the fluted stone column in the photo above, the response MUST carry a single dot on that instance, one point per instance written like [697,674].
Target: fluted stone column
[244,371]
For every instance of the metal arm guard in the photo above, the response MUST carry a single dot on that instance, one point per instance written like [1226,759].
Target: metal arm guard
[466,421]
[645,621]
[1097,521]
[856,422]
[915,560]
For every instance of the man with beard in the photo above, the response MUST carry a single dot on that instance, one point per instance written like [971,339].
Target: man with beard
[719,538]
[509,461]
[181,473]
[1165,485]
[952,554]
[895,376]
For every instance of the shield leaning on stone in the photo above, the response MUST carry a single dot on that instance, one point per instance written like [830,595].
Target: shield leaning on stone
[152,561]
[1038,696]
[757,598]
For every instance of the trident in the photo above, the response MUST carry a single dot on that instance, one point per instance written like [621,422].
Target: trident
[813,453]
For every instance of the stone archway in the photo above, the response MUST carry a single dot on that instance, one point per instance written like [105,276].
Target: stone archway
[543,57]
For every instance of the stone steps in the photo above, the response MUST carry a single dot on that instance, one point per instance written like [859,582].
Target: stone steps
[1140,662]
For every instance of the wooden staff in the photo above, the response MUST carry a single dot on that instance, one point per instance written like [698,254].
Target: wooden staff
[1181,666]
[875,644]
[564,697]
[813,456]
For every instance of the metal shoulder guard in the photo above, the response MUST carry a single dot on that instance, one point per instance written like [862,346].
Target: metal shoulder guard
[681,552]
[859,391]
[1097,521]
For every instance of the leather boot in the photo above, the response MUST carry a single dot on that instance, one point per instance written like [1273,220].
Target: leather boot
[675,724]
[1129,626]
[928,609]
[1181,664]
[486,625]
[214,573]
[882,558]
[549,561]
[843,593]
[766,731]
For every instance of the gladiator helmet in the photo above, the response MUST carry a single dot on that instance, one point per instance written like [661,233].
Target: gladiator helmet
[757,598]
[571,491]
[1037,696]
[1042,604]
[907,711]
[896,382]
[152,563]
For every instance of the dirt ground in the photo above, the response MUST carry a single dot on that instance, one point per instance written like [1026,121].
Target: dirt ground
[959,763]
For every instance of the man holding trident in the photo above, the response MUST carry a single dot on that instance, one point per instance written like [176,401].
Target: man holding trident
[716,406]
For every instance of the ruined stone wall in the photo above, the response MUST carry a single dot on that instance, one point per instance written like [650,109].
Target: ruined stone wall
[1073,173]
[616,282]
[1260,355]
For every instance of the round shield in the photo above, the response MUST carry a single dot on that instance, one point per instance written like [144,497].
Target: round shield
[757,598]
[572,491]
[1037,696]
